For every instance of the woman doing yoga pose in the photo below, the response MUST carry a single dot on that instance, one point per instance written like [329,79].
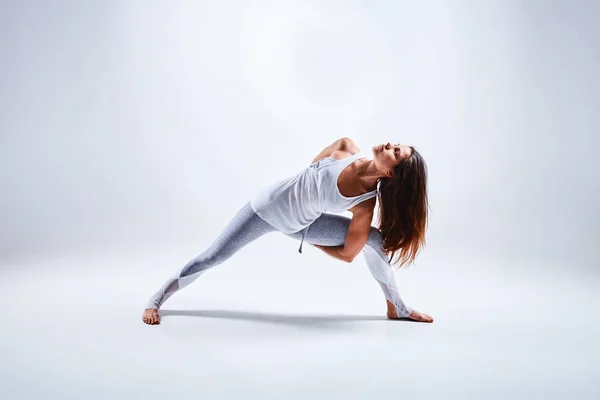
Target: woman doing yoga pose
[340,178]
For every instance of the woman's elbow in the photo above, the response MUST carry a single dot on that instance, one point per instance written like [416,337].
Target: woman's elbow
[350,258]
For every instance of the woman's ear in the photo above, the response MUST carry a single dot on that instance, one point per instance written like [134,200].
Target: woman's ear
[389,173]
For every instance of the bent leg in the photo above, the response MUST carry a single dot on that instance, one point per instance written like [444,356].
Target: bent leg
[245,227]
[331,230]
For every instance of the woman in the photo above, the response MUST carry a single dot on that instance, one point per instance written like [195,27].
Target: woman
[340,178]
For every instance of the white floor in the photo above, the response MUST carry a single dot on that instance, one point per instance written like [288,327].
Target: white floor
[309,327]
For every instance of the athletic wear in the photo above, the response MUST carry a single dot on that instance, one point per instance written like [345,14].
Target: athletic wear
[247,226]
[292,204]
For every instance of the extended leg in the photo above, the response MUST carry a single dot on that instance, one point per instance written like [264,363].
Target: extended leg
[331,229]
[245,227]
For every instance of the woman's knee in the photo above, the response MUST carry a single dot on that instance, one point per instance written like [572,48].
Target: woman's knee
[201,263]
[375,239]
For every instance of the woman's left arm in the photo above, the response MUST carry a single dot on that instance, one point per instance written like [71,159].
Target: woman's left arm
[356,237]
[333,251]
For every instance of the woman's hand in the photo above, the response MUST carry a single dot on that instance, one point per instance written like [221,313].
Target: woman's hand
[417,316]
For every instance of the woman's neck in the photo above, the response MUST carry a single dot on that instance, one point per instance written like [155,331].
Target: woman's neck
[367,174]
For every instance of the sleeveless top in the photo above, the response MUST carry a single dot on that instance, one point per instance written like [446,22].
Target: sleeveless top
[292,204]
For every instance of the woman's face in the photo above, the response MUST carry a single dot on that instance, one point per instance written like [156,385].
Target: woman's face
[387,156]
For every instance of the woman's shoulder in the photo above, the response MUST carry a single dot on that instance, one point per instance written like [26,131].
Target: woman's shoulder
[349,145]
[341,154]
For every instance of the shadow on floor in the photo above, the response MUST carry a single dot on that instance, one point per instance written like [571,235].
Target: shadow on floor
[302,321]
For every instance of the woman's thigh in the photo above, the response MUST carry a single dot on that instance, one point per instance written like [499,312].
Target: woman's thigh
[331,230]
[245,227]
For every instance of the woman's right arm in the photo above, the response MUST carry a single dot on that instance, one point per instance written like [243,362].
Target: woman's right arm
[344,143]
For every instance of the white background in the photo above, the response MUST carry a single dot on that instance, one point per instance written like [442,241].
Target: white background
[132,132]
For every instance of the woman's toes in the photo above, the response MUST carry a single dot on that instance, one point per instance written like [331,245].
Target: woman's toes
[150,316]
[147,317]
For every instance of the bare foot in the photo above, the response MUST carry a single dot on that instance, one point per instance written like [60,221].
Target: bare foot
[391,310]
[421,317]
[414,315]
[151,316]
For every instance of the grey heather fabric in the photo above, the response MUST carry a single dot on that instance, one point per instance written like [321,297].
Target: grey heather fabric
[246,226]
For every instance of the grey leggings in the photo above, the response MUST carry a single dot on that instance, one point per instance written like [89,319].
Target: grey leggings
[246,226]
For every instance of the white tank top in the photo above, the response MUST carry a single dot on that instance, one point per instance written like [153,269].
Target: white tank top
[292,204]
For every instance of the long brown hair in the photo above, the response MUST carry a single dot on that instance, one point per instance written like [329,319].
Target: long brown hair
[403,207]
